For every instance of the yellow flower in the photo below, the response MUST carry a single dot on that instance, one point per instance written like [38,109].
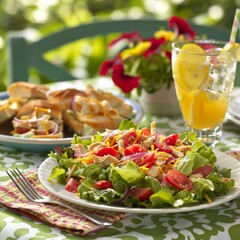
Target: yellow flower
[181,37]
[136,51]
[168,35]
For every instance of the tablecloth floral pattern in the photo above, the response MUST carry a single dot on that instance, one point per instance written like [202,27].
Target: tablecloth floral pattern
[220,222]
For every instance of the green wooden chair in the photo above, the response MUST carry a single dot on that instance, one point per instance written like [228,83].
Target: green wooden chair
[23,54]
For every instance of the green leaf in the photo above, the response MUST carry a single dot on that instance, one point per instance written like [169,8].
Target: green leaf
[199,156]
[58,173]
[130,173]
[78,140]
[87,191]
[118,183]
[126,124]
[153,183]
[92,171]
[162,197]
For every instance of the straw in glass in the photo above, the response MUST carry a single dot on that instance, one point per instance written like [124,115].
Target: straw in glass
[235,26]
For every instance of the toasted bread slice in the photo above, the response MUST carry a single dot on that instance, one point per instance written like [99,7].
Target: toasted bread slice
[124,109]
[8,109]
[65,96]
[27,90]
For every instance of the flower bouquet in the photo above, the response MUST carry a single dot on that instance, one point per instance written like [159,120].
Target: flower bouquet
[146,63]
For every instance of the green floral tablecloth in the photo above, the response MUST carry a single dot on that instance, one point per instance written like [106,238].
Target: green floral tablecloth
[220,222]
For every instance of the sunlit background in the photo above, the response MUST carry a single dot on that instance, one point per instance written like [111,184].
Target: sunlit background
[41,17]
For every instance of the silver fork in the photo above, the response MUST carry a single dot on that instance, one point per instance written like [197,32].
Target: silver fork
[32,194]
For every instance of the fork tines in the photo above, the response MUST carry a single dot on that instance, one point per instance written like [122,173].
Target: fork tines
[23,184]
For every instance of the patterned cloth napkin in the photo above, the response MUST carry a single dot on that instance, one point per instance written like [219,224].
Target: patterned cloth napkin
[55,215]
[234,154]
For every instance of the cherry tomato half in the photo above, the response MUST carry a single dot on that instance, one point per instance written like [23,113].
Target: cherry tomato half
[107,151]
[103,184]
[204,170]
[43,132]
[171,139]
[129,138]
[72,185]
[163,147]
[178,180]
[147,160]
[146,131]
[142,194]
[22,130]
[135,148]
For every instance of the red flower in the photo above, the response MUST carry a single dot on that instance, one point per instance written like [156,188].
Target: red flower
[168,55]
[180,26]
[125,82]
[133,37]
[105,67]
[155,43]
[108,65]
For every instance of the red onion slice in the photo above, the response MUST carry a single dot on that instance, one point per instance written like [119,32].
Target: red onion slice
[28,120]
[55,128]
[133,156]
[58,150]
[124,196]
[111,134]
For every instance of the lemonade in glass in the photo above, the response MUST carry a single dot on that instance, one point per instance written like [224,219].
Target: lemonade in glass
[204,74]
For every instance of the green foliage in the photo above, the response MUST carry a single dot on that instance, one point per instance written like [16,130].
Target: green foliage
[84,58]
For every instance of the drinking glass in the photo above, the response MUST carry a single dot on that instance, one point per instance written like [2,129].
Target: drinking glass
[204,73]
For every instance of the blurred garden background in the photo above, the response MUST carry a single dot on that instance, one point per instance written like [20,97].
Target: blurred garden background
[42,17]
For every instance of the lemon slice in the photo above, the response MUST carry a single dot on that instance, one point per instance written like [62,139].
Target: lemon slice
[190,68]
[231,47]
[208,109]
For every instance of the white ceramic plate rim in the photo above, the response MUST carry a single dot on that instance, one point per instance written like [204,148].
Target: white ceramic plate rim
[58,141]
[224,161]
[233,113]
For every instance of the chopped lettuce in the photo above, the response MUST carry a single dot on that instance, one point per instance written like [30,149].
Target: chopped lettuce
[222,185]
[87,191]
[184,197]
[126,124]
[130,173]
[162,197]
[199,156]
[58,173]
[28,134]
[126,176]
[193,160]
[201,186]
[92,171]
[86,141]
[153,183]
[118,183]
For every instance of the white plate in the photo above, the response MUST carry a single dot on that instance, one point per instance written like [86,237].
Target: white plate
[224,161]
[233,113]
[46,145]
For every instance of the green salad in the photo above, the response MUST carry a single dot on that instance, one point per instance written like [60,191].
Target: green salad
[141,167]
